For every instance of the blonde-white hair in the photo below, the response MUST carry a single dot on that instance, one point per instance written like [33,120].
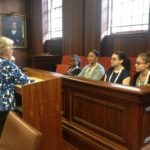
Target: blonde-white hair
[5,43]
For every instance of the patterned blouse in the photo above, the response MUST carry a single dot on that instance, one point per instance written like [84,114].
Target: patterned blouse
[10,75]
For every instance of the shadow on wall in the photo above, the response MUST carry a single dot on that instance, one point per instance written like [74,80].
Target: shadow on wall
[53,47]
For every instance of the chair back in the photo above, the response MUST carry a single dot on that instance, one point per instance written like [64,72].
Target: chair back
[61,68]
[133,61]
[105,62]
[19,135]
[65,60]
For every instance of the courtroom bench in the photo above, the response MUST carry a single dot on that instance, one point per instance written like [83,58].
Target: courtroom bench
[105,116]
[105,61]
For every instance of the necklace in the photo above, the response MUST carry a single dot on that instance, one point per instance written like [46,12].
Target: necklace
[72,68]
[116,76]
[89,70]
[146,80]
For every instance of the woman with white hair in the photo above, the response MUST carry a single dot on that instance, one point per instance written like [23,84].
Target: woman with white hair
[10,75]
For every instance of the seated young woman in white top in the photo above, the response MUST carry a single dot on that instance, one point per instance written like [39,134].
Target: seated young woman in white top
[93,70]
[142,76]
[120,69]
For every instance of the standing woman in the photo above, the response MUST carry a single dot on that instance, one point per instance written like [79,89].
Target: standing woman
[142,76]
[93,70]
[120,69]
[10,75]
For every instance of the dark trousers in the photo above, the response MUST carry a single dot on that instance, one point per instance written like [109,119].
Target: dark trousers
[3,116]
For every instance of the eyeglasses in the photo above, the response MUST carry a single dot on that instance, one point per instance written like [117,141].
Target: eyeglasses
[138,63]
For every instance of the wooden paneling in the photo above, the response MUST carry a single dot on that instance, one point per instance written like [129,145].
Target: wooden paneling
[92,25]
[83,26]
[148,39]
[12,6]
[81,19]
[22,57]
[73,27]
[132,44]
[36,34]
[99,115]
[104,17]
[53,47]
[47,62]
[41,107]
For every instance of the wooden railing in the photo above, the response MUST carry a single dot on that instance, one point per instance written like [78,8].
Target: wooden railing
[105,116]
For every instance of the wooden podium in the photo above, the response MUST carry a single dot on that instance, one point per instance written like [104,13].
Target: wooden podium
[41,106]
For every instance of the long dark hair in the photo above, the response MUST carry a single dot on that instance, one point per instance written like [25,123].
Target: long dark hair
[126,61]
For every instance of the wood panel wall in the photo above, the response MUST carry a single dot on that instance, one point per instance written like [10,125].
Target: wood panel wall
[53,47]
[83,26]
[92,25]
[73,27]
[36,31]
[131,44]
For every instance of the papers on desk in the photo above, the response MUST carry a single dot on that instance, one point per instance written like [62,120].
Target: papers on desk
[33,80]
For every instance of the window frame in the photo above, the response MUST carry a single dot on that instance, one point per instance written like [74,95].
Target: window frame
[125,33]
[50,37]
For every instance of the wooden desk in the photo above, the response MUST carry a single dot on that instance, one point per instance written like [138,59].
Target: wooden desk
[41,107]
[105,116]
[46,62]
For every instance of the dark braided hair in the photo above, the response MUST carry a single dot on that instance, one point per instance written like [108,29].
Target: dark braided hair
[96,52]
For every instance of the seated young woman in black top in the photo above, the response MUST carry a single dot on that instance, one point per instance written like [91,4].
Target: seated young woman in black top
[120,69]
[75,64]
[142,76]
